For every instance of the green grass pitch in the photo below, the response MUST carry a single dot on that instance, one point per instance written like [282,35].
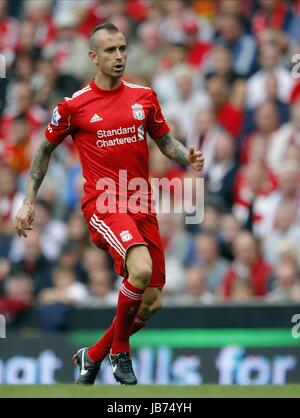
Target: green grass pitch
[205,391]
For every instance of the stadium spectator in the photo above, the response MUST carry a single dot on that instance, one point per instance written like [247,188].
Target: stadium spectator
[8,33]
[283,109]
[253,182]
[163,81]
[230,30]
[229,114]
[271,14]
[287,135]
[247,266]
[175,243]
[101,292]
[34,263]
[205,253]
[21,104]
[67,47]
[39,13]
[288,190]
[145,54]
[287,284]
[77,232]
[190,100]
[266,121]
[56,302]
[204,134]
[269,63]
[10,198]
[197,50]
[71,258]
[285,229]
[53,234]
[196,287]
[93,260]
[229,228]
[65,290]
[220,63]
[17,297]
[177,12]
[221,176]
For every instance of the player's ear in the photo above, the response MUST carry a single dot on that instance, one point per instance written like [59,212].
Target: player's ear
[93,57]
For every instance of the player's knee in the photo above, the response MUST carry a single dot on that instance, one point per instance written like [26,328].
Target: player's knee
[139,266]
[140,274]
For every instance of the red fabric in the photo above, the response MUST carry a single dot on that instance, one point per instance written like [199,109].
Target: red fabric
[8,34]
[11,307]
[48,32]
[137,10]
[297,7]
[240,188]
[275,20]
[259,274]
[107,231]
[295,94]
[231,118]
[91,20]
[127,309]
[99,350]
[114,142]
[197,54]
[6,215]
[246,148]
[17,156]
[34,116]
[243,197]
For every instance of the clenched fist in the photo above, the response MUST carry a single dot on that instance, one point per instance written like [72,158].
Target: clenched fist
[24,218]
[196,159]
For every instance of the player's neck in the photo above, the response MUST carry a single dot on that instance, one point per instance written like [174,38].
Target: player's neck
[107,83]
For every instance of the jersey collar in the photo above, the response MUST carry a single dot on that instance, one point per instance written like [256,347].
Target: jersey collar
[98,90]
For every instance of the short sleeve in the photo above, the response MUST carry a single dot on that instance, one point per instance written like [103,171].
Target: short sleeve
[60,125]
[156,124]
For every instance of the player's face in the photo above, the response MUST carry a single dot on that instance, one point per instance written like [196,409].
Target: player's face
[111,54]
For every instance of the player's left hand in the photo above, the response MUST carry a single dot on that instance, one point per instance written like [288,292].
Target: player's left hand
[196,159]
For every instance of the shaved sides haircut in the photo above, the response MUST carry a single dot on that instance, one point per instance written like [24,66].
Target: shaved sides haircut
[109,27]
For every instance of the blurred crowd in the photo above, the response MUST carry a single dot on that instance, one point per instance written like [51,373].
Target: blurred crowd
[228,84]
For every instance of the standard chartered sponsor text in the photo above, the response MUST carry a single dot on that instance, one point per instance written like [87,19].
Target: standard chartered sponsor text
[104,134]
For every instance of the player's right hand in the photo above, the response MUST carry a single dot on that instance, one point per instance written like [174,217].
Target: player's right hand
[24,218]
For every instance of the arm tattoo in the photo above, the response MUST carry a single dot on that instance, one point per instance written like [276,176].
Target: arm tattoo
[38,169]
[173,149]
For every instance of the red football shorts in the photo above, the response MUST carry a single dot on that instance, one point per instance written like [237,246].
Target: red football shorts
[117,232]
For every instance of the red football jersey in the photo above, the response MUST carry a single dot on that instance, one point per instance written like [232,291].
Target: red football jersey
[109,129]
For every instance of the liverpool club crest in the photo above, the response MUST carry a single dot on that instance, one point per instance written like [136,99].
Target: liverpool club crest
[138,111]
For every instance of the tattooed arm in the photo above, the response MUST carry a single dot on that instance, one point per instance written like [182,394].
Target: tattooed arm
[37,172]
[175,151]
